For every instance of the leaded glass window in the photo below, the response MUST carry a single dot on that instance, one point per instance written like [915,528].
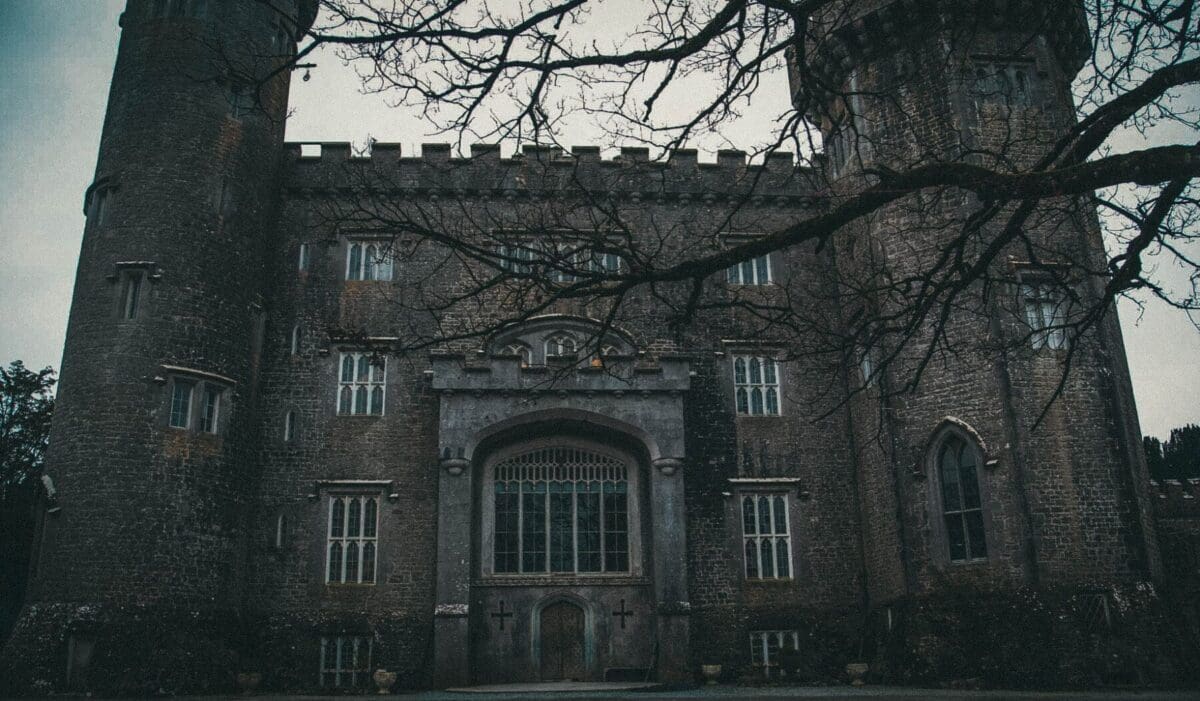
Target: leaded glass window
[353,539]
[346,661]
[1044,312]
[561,510]
[766,537]
[766,648]
[756,385]
[756,271]
[962,509]
[211,409]
[368,260]
[362,383]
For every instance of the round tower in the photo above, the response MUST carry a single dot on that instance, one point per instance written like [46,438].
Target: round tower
[149,467]
[964,490]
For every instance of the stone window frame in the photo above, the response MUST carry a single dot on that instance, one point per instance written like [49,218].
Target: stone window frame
[132,291]
[385,265]
[760,650]
[355,384]
[948,428]
[524,254]
[204,386]
[733,277]
[636,481]
[534,334]
[360,676]
[1006,71]
[787,487]
[348,494]
[749,356]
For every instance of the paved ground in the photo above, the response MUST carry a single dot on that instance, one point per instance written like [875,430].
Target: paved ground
[597,692]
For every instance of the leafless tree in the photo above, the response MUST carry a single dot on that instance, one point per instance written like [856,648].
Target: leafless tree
[928,218]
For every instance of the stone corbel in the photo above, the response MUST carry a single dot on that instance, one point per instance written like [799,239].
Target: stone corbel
[668,466]
[454,466]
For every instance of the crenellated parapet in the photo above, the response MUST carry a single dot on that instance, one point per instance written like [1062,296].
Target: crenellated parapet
[1176,498]
[327,168]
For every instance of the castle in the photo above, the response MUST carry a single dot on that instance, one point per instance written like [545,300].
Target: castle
[232,485]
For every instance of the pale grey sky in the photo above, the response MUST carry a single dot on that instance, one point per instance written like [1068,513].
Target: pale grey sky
[56,60]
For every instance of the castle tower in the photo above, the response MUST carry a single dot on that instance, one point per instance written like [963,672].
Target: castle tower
[961,488]
[141,552]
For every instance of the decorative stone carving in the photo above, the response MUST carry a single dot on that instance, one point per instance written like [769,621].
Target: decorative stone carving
[668,466]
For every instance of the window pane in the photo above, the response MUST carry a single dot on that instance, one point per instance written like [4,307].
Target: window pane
[755,371]
[749,522]
[616,535]
[364,368]
[377,401]
[351,562]
[379,370]
[354,518]
[768,557]
[337,517]
[772,401]
[360,400]
[181,403]
[533,527]
[764,514]
[344,398]
[354,266]
[743,401]
[769,376]
[335,562]
[782,556]
[347,367]
[748,272]
[751,552]
[951,495]
[588,518]
[780,516]
[739,371]
[956,537]
[506,529]
[756,401]
[731,274]
[561,534]
[968,475]
[756,648]
[976,538]
[761,264]
[369,518]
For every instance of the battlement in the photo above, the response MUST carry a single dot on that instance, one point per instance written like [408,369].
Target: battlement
[336,165]
[1176,498]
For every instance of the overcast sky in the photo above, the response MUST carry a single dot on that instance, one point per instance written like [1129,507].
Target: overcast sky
[56,60]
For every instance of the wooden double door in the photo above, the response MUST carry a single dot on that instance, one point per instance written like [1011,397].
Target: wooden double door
[562,642]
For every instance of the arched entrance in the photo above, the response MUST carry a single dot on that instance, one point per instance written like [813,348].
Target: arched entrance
[562,643]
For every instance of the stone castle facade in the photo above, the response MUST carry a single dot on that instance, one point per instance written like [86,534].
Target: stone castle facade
[238,483]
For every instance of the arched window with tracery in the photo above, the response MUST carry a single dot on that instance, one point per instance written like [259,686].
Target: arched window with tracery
[561,510]
[521,351]
[957,470]
[560,345]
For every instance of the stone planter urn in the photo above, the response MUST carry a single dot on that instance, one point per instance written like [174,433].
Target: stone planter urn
[710,672]
[383,681]
[857,671]
[248,682]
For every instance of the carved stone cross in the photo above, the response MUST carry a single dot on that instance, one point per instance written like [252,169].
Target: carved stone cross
[623,614]
[502,614]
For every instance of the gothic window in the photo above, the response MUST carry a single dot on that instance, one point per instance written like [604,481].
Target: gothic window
[361,384]
[516,258]
[1004,83]
[561,510]
[181,403]
[346,661]
[131,293]
[766,538]
[368,260]
[1045,314]
[767,646]
[305,257]
[352,541]
[756,385]
[957,469]
[756,271]
[210,413]
[521,351]
[559,345]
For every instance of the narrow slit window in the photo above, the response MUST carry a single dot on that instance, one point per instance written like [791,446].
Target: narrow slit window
[131,293]
[305,257]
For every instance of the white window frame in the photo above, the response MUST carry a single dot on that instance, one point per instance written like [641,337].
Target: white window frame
[339,534]
[775,501]
[369,260]
[177,384]
[743,382]
[753,272]
[760,647]
[211,398]
[335,649]
[356,383]
[1045,314]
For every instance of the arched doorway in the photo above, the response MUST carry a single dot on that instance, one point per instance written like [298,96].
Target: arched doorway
[562,643]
